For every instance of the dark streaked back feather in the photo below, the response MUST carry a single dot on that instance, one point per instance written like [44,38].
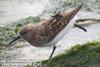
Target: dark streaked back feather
[52,27]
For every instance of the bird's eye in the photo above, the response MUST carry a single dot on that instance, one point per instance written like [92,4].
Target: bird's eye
[22,33]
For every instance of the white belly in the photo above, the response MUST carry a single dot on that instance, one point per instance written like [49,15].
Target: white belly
[60,35]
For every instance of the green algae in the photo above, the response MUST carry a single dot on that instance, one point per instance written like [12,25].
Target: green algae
[86,55]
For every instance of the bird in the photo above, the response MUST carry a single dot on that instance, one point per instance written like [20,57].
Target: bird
[49,31]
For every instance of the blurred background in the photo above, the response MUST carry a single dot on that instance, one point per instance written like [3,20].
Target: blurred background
[12,10]
[16,13]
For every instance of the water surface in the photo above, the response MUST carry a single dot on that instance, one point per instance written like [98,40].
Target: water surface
[12,10]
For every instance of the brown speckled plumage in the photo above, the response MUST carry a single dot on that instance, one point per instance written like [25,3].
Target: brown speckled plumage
[47,30]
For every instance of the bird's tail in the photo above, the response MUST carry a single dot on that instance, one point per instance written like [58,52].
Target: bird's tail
[71,14]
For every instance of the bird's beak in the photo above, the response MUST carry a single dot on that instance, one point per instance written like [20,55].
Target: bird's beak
[17,38]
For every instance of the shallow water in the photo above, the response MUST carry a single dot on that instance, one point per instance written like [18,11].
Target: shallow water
[28,53]
[15,10]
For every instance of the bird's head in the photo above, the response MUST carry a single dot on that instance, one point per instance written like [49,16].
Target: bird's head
[24,33]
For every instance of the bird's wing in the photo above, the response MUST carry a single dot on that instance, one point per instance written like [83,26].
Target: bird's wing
[55,24]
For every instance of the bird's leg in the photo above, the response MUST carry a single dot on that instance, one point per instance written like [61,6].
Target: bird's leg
[52,51]
[80,27]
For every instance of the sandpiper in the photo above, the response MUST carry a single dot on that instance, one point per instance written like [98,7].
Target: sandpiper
[49,31]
